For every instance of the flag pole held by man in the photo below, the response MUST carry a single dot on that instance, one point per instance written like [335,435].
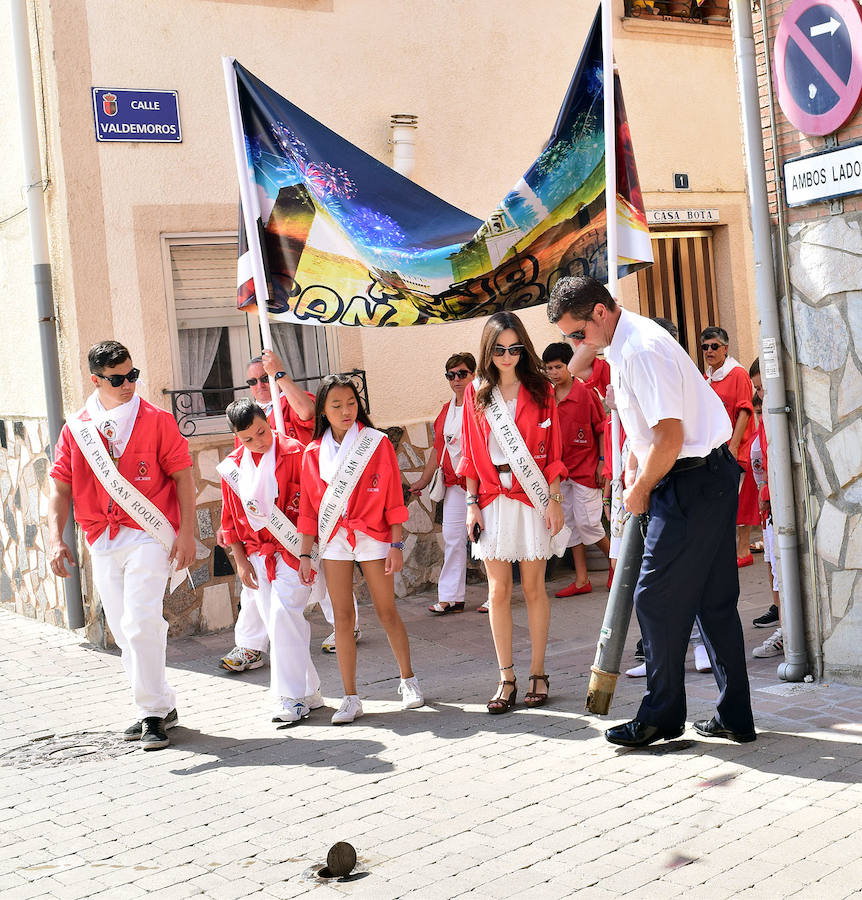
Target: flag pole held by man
[682,474]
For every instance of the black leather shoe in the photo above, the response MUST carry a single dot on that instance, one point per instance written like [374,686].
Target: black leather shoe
[711,728]
[639,734]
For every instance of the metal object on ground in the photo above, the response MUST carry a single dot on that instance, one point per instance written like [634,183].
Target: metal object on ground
[612,637]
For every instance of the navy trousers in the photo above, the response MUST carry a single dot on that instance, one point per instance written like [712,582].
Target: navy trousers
[689,571]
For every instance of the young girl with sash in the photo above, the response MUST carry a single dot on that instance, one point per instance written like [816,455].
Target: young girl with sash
[451,584]
[260,505]
[351,501]
[512,461]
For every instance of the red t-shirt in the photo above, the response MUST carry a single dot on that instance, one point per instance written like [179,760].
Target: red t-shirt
[294,427]
[156,450]
[601,377]
[540,428]
[582,421]
[234,521]
[377,501]
[736,391]
[443,458]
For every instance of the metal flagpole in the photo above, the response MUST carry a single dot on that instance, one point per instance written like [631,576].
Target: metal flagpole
[250,217]
[611,191]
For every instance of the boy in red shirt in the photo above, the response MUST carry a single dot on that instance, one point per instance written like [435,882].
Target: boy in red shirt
[268,468]
[131,562]
[582,424]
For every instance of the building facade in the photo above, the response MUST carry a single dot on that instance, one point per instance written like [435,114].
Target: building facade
[143,235]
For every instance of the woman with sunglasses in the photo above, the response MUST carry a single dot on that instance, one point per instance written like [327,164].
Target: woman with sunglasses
[460,368]
[732,384]
[512,462]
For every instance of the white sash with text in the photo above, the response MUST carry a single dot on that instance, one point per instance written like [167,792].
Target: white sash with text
[141,510]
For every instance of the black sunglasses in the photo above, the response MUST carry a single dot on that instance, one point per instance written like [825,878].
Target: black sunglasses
[251,382]
[513,350]
[713,347]
[116,380]
[576,335]
[460,374]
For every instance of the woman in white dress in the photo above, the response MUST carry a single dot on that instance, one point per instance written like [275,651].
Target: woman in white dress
[506,522]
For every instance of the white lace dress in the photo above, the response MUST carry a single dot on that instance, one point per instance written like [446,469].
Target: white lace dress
[513,530]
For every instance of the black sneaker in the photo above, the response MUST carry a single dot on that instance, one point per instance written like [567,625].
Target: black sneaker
[133,732]
[154,736]
[639,651]
[768,619]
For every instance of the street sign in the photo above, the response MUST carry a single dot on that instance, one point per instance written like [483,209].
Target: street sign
[121,115]
[824,175]
[818,63]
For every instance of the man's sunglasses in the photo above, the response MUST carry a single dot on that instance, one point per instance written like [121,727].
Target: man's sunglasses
[460,374]
[714,346]
[514,350]
[251,382]
[116,380]
[576,335]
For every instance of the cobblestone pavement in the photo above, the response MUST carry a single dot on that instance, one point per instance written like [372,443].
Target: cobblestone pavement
[441,802]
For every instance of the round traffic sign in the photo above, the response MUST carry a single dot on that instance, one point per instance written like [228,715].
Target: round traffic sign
[818,63]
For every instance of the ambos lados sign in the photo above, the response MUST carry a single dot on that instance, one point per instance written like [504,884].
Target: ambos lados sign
[823,176]
[127,115]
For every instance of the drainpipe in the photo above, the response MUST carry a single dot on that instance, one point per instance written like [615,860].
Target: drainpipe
[795,667]
[797,390]
[403,142]
[42,274]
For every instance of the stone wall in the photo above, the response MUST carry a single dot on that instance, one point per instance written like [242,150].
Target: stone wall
[826,277]
[27,586]
[210,603]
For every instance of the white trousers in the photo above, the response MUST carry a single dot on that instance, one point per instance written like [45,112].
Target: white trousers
[452,582]
[281,605]
[250,630]
[131,583]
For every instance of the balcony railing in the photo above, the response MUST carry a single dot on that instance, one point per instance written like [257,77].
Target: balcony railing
[201,410]
[709,12]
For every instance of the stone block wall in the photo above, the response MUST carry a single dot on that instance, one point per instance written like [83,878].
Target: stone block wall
[826,278]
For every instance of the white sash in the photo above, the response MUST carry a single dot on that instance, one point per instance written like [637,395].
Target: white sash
[521,461]
[338,491]
[279,526]
[141,510]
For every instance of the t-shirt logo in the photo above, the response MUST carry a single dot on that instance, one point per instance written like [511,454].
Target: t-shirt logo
[541,448]
[291,431]
[109,429]
[581,437]
[294,503]
[375,478]
[143,469]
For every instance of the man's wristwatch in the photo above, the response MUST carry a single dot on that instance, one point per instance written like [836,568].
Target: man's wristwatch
[279,375]
[557,497]
[397,545]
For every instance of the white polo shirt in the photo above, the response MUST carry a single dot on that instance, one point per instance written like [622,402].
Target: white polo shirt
[654,379]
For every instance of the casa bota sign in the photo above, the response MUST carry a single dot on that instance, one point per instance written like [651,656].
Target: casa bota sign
[682,216]
[126,115]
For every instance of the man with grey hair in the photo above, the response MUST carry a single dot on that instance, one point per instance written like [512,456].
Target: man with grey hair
[681,473]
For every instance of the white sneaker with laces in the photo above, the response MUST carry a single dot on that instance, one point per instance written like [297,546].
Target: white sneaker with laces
[328,645]
[290,710]
[772,646]
[411,693]
[350,709]
[313,701]
[701,659]
[241,658]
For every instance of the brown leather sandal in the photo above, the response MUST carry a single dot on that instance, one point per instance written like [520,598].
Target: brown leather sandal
[532,698]
[498,703]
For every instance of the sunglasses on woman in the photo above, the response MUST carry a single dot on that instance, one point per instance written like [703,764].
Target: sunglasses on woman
[513,350]
[460,374]
[714,346]
[116,380]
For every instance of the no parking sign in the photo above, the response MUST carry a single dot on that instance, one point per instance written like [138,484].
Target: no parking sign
[818,63]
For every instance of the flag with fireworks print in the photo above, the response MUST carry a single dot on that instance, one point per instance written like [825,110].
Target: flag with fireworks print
[348,241]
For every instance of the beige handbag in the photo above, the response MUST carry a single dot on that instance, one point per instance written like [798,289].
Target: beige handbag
[437,485]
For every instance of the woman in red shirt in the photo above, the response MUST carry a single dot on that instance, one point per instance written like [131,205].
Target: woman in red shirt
[367,531]
[502,520]
[732,384]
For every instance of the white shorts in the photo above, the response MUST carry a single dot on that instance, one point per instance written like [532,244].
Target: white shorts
[769,552]
[582,508]
[367,547]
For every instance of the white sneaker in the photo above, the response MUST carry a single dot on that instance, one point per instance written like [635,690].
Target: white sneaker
[701,659]
[313,701]
[350,709]
[241,658]
[637,671]
[772,646]
[290,710]
[328,645]
[411,693]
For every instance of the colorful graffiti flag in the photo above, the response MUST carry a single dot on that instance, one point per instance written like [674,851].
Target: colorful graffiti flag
[348,241]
